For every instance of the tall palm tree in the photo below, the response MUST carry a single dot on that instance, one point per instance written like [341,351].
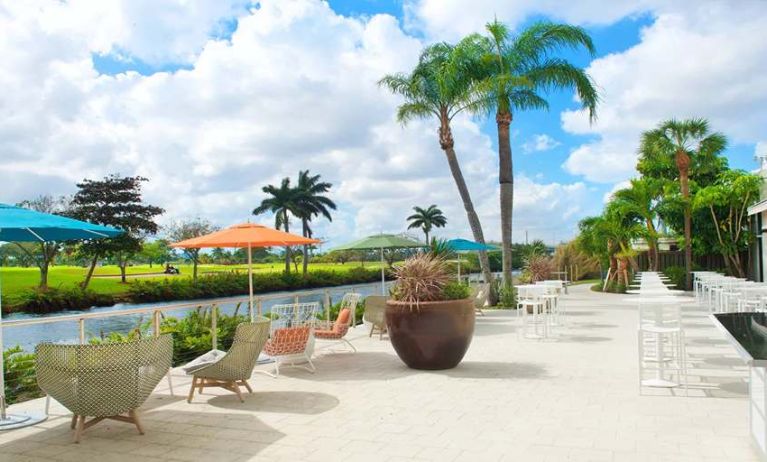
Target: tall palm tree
[641,199]
[681,140]
[282,201]
[311,203]
[514,70]
[427,219]
[442,86]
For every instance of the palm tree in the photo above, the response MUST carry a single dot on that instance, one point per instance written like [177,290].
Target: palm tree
[514,69]
[311,203]
[680,140]
[440,86]
[642,200]
[283,201]
[426,219]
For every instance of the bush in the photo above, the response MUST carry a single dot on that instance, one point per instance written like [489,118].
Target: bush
[58,299]
[677,275]
[612,287]
[456,291]
[230,284]
[20,381]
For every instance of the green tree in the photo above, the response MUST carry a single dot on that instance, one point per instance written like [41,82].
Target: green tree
[727,201]
[114,201]
[43,253]
[427,219]
[514,71]
[641,200]
[157,251]
[311,202]
[441,87]
[282,201]
[682,140]
[187,229]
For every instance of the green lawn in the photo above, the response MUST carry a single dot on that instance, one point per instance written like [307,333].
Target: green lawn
[16,280]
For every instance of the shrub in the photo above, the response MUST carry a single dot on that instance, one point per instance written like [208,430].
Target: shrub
[57,299]
[20,381]
[456,291]
[612,287]
[421,278]
[677,275]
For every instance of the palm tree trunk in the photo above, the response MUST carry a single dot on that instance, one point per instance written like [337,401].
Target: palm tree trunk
[683,164]
[447,144]
[287,248]
[506,179]
[305,233]
[427,237]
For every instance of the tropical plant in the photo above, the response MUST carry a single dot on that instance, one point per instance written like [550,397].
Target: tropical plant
[427,219]
[727,201]
[513,71]
[282,201]
[441,87]
[440,248]
[609,237]
[641,200]
[538,267]
[311,202]
[421,278]
[681,140]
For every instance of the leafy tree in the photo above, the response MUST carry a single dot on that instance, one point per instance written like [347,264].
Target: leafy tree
[441,86]
[311,202]
[514,70]
[221,256]
[608,237]
[282,201]
[43,253]
[727,201]
[188,229]
[682,140]
[114,201]
[427,219]
[157,251]
[641,201]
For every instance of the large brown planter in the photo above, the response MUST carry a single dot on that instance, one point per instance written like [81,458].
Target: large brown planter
[433,336]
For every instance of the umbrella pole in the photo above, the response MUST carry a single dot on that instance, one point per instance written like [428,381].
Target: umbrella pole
[383,275]
[250,283]
[2,358]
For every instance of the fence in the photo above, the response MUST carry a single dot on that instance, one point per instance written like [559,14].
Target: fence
[208,326]
[676,258]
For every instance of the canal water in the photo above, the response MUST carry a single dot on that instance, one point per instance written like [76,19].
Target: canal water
[68,332]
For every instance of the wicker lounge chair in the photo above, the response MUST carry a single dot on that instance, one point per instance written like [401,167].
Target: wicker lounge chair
[291,341]
[104,381]
[233,370]
[375,314]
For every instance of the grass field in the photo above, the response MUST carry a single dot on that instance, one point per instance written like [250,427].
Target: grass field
[16,280]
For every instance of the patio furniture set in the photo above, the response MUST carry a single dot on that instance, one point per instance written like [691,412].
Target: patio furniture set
[540,308]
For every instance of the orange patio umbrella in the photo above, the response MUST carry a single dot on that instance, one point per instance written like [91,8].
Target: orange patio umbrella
[246,235]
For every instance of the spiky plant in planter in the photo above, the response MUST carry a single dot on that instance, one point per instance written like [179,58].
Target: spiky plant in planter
[430,318]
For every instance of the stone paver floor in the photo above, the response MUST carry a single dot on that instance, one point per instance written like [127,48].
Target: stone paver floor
[575,398]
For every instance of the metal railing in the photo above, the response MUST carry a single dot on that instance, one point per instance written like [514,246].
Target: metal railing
[156,311]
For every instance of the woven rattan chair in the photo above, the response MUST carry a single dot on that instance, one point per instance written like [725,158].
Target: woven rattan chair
[375,314]
[233,370]
[291,340]
[108,381]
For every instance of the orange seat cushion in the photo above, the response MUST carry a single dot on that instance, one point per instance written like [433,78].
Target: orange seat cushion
[287,341]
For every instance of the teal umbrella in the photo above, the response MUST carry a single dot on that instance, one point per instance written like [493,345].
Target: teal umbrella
[464,245]
[381,242]
[23,225]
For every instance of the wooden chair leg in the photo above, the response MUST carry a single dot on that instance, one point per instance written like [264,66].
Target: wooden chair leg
[74,422]
[191,389]
[134,417]
[202,385]
[247,386]
[236,388]
[79,428]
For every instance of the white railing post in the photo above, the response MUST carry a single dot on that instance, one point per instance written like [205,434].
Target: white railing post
[260,306]
[81,325]
[327,305]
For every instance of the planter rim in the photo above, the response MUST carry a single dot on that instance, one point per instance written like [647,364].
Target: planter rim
[430,303]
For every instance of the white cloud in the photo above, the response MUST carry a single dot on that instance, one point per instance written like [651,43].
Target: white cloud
[617,187]
[452,19]
[703,61]
[539,143]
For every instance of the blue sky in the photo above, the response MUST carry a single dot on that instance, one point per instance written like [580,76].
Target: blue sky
[215,101]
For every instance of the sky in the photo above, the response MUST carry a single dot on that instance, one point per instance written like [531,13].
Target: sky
[213,99]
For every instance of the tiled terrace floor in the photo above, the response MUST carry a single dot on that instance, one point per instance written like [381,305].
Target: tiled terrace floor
[573,398]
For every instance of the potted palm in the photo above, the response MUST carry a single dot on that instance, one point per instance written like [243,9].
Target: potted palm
[430,317]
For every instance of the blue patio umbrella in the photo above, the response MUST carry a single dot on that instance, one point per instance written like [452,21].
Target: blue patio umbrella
[23,225]
[460,246]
